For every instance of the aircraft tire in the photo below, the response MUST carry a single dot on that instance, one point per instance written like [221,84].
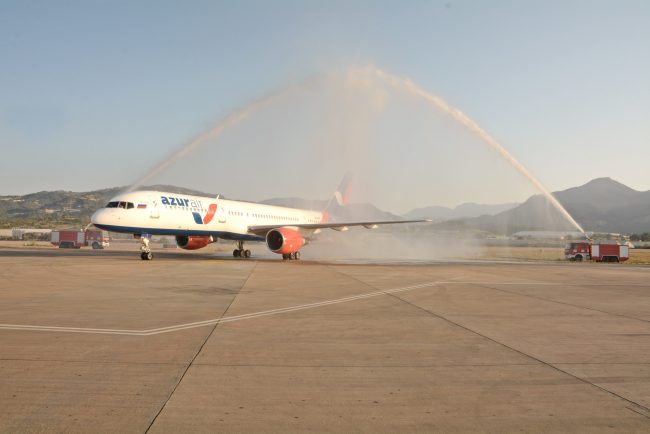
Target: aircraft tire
[146,256]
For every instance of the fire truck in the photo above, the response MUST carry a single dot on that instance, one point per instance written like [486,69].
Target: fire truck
[74,239]
[599,252]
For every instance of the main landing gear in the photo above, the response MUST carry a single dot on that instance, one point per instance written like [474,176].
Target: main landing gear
[145,251]
[290,256]
[239,252]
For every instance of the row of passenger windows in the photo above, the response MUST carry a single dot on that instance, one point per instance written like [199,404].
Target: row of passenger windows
[276,217]
[125,205]
[272,217]
[185,208]
[265,216]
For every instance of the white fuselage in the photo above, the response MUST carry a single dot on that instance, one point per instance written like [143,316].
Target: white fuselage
[163,213]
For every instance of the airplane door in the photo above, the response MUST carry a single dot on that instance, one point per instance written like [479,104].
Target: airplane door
[222,214]
[155,212]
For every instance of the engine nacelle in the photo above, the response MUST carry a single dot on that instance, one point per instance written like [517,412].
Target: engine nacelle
[192,242]
[284,240]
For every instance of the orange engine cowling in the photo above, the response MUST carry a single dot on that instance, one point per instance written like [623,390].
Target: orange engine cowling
[284,240]
[192,243]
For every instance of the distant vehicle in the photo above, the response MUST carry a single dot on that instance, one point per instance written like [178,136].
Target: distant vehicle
[73,239]
[599,252]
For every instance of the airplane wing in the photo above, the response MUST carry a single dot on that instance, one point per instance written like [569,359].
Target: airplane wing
[337,226]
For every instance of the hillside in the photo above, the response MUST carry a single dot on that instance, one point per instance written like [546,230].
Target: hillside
[601,205]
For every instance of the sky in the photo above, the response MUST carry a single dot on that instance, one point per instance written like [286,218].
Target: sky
[95,93]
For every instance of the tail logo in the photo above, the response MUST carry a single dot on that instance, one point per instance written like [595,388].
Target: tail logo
[342,199]
[212,209]
[325,217]
[342,194]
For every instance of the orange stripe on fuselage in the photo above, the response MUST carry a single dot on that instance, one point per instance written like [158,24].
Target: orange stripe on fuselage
[212,209]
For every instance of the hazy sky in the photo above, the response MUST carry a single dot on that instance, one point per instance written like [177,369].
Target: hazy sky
[94,93]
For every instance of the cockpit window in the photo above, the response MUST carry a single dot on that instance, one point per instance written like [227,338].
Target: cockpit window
[125,205]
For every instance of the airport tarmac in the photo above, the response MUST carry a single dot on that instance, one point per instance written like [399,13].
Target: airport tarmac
[100,341]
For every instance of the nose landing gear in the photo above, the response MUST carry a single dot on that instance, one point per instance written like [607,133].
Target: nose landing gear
[145,251]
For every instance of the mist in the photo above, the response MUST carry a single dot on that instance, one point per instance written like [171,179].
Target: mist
[406,147]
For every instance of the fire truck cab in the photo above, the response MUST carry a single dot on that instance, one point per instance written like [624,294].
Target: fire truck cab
[578,251]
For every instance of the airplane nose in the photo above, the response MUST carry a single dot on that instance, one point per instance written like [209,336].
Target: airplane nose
[100,217]
[94,219]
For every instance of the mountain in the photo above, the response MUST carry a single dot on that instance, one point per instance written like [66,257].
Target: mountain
[465,210]
[601,205]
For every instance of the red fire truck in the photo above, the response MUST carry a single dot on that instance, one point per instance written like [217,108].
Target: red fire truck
[74,239]
[599,252]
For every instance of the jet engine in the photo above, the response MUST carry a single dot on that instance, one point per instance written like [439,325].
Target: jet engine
[284,240]
[192,242]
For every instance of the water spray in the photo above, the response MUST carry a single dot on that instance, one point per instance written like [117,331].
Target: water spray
[394,82]
[213,133]
[442,105]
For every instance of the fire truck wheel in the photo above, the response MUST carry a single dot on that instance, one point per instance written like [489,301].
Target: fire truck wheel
[579,258]
[95,245]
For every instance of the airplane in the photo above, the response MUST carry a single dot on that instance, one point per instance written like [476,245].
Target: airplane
[196,221]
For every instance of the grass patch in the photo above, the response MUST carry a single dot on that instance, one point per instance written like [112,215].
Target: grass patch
[637,256]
